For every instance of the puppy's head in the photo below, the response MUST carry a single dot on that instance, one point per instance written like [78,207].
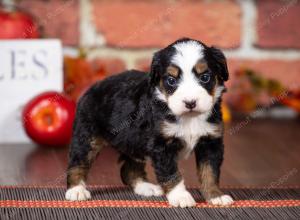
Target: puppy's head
[189,76]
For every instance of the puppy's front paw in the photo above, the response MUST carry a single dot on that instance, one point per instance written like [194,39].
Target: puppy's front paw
[221,200]
[180,197]
[78,193]
[147,189]
[184,199]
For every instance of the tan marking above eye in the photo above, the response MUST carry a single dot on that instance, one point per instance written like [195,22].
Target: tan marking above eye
[201,66]
[173,71]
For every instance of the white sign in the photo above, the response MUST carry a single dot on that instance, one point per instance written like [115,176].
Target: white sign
[27,68]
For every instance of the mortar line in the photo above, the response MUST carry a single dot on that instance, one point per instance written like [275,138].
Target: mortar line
[256,54]
[89,36]
[247,50]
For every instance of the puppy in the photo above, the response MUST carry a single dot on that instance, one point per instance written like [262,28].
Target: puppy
[163,115]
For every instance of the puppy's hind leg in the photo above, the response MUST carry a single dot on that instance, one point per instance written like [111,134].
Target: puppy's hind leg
[82,154]
[133,174]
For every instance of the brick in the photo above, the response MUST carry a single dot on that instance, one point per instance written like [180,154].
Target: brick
[58,18]
[278,24]
[111,66]
[287,72]
[143,64]
[157,23]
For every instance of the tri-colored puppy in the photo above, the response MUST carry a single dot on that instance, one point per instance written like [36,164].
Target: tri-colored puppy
[163,116]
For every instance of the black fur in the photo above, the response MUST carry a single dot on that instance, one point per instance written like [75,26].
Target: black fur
[124,110]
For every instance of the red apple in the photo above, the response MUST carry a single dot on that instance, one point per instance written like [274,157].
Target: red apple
[48,119]
[17,25]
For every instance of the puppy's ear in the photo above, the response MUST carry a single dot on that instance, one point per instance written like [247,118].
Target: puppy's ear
[155,69]
[219,60]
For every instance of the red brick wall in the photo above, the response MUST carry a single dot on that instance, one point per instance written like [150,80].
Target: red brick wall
[278,24]
[58,18]
[261,35]
[142,24]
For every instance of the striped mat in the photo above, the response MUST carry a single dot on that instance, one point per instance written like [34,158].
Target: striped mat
[33,202]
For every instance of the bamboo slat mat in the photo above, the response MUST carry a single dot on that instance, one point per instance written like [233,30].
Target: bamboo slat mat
[111,202]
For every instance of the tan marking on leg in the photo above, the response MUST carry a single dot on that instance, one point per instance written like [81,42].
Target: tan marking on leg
[75,175]
[208,182]
[97,144]
[132,172]
[209,187]
[79,173]
[170,184]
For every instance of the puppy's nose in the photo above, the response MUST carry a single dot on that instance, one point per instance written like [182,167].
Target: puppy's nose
[190,104]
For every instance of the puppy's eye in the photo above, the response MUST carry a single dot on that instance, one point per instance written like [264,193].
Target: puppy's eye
[171,81]
[204,78]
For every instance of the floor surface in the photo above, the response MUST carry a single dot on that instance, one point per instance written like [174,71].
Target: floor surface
[257,153]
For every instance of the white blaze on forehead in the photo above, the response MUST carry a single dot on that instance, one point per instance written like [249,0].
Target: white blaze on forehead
[187,54]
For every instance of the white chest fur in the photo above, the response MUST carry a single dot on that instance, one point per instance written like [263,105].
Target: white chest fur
[189,130]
